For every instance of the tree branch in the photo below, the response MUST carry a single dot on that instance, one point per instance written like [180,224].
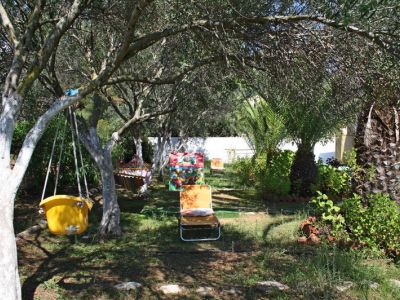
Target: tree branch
[140,119]
[51,44]
[33,24]
[116,109]
[168,80]
[5,20]
[152,38]
[318,19]
[129,31]
[36,132]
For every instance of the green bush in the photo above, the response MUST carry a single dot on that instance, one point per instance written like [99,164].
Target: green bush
[272,177]
[328,212]
[276,179]
[245,171]
[376,225]
[333,181]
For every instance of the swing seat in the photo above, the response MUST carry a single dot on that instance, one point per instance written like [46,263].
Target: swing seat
[66,215]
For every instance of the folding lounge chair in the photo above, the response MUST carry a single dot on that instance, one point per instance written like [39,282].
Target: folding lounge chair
[197,215]
[217,165]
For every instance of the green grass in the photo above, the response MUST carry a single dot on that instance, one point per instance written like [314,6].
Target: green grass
[258,243]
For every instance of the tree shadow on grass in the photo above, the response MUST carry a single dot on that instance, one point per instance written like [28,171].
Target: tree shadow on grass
[150,252]
[55,257]
[44,271]
[195,264]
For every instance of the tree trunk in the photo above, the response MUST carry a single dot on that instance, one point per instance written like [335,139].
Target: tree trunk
[10,287]
[138,147]
[110,222]
[10,180]
[377,145]
[160,160]
[304,171]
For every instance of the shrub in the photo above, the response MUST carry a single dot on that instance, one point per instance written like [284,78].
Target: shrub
[333,181]
[272,177]
[375,225]
[328,212]
[245,171]
[36,172]
[333,162]
[276,176]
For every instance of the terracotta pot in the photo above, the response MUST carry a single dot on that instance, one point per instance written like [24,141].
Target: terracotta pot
[302,240]
[313,239]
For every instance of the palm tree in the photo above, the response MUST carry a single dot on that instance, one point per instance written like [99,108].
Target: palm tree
[311,114]
[262,127]
[377,146]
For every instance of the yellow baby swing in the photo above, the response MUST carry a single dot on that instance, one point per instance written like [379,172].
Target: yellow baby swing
[66,215]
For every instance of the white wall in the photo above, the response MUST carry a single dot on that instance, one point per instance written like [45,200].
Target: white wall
[229,148]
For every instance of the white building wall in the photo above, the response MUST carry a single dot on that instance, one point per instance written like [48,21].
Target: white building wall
[230,148]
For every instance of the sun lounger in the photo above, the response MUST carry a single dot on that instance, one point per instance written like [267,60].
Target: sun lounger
[217,165]
[197,215]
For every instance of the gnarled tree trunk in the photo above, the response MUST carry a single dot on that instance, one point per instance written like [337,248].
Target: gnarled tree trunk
[11,178]
[110,222]
[9,279]
[10,287]
[160,155]
[377,145]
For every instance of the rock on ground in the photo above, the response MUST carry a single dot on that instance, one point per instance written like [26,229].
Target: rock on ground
[269,286]
[233,291]
[205,291]
[344,286]
[395,282]
[374,286]
[126,286]
[171,289]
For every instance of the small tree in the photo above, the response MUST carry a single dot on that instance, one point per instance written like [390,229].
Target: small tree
[262,127]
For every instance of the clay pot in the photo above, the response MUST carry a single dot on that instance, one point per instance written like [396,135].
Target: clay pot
[309,229]
[331,238]
[302,240]
[313,239]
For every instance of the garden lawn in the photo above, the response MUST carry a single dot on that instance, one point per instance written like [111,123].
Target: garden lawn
[258,243]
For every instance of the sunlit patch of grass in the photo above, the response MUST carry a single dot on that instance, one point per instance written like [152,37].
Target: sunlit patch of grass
[222,179]
[227,214]
[284,233]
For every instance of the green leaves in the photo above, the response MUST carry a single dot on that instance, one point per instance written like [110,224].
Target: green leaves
[328,211]
[263,128]
[376,224]
[333,181]
[272,178]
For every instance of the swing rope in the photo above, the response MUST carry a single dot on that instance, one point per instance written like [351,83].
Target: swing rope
[74,130]
[60,158]
[50,161]
[81,157]
[75,156]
